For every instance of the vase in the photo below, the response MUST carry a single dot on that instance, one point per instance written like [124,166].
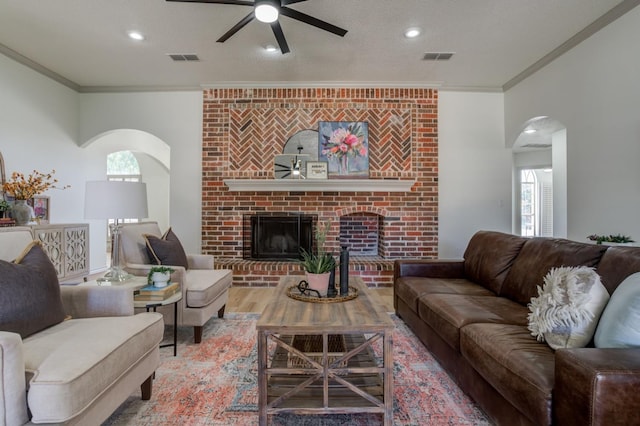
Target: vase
[22,212]
[344,165]
[160,279]
[319,282]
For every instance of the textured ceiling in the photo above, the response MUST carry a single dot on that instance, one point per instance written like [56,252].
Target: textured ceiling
[85,41]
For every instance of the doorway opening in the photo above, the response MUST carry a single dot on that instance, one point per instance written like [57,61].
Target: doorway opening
[536,202]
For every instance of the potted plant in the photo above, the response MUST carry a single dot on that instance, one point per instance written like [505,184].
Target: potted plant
[319,265]
[616,239]
[4,208]
[159,275]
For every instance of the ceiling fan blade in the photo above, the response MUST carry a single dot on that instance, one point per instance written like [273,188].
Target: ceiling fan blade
[282,42]
[286,2]
[303,17]
[237,27]
[235,2]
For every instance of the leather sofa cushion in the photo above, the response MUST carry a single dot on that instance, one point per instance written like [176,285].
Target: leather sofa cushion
[616,264]
[488,257]
[82,357]
[205,285]
[448,313]
[515,364]
[537,257]
[410,289]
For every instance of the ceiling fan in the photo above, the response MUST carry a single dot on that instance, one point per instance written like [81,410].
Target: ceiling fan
[268,11]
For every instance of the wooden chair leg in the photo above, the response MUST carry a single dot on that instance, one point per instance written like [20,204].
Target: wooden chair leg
[197,333]
[146,387]
[221,311]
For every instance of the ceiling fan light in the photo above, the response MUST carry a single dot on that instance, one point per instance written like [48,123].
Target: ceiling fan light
[266,11]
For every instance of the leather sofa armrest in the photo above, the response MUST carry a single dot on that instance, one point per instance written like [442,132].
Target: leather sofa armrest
[597,386]
[13,401]
[200,261]
[434,268]
[95,301]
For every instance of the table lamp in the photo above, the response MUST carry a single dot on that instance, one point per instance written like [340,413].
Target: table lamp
[115,200]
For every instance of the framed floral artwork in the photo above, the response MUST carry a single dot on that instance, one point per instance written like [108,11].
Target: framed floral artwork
[41,208]
[344,145]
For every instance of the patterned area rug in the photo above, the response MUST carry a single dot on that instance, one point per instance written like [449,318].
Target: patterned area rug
[215,383]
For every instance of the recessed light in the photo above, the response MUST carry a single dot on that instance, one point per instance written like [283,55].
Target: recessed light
[270,48]
[412,32]
[530,131]
[135,35]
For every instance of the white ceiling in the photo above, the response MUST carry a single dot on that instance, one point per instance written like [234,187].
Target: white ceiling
[85,43]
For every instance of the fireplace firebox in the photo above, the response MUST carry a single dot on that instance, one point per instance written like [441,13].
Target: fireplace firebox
[279,237]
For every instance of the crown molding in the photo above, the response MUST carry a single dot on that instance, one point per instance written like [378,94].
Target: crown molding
[10,53]
[606,19]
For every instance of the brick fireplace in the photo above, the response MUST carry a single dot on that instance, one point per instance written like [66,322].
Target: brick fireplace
[243,130]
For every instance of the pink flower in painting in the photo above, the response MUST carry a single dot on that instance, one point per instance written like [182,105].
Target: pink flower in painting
[344,147]
[363,151]
[351,139]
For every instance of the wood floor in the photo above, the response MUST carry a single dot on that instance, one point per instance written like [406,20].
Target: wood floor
[254,299]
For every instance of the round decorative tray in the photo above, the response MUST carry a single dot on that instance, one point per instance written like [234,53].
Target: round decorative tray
[294,293]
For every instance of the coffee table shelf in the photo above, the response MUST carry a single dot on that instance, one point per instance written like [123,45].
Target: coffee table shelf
[319,358]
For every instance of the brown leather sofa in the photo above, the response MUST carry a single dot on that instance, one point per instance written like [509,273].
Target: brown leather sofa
[472,316]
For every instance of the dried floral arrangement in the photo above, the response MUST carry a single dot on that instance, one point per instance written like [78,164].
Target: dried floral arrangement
[24,188]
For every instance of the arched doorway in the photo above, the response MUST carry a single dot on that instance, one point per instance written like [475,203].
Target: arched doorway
[540,178]
[148,159]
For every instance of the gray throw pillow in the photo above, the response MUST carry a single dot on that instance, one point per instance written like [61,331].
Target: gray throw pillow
[30,293]
[166,250]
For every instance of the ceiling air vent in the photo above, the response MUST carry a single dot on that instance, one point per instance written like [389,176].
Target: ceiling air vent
[537,145]
[437,56]
[180,57]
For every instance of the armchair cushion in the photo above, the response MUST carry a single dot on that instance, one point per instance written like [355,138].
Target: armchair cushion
[30,290]
[166,250]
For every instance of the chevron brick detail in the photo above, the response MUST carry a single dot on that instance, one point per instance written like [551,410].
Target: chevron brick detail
[244,129]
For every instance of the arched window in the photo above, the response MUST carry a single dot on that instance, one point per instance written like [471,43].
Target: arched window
[122,166]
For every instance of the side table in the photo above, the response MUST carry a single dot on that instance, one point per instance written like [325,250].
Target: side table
[153,305]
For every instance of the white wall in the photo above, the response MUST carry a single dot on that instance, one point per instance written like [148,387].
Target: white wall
[38,130]
[474,169]
[175,118]
[594,90]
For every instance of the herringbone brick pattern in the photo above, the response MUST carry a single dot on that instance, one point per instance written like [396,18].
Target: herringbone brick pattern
[259,133]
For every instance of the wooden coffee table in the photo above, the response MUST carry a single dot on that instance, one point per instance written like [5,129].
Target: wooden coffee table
[317,358]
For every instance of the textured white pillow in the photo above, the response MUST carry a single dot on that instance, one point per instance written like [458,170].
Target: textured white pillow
[568,306]
[619,325]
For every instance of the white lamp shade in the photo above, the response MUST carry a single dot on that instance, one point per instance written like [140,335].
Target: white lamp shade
[115,200]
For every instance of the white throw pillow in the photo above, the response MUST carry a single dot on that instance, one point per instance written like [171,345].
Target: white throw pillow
[619,325]
[568,306]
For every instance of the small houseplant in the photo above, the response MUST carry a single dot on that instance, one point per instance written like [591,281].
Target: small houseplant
[318,265]
[4,208]
[159,275]
[599,239]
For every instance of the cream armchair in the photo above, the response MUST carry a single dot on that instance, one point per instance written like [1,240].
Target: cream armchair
[78,370]
[205,290]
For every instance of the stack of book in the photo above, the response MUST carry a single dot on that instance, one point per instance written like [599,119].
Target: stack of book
[151,293]
[7,221]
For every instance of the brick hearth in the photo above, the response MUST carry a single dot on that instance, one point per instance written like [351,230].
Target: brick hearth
[243,130]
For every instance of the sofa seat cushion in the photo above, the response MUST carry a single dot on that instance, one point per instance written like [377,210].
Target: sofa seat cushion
[448,313]
[71,364]
[410,289]
[520,368]
[205,285]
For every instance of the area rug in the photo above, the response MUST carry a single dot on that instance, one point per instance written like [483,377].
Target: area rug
[215,383]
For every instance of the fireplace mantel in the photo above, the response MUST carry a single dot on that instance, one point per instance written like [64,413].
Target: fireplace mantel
[319,185]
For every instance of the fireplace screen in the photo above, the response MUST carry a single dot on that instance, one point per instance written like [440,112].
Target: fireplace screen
[280,237]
